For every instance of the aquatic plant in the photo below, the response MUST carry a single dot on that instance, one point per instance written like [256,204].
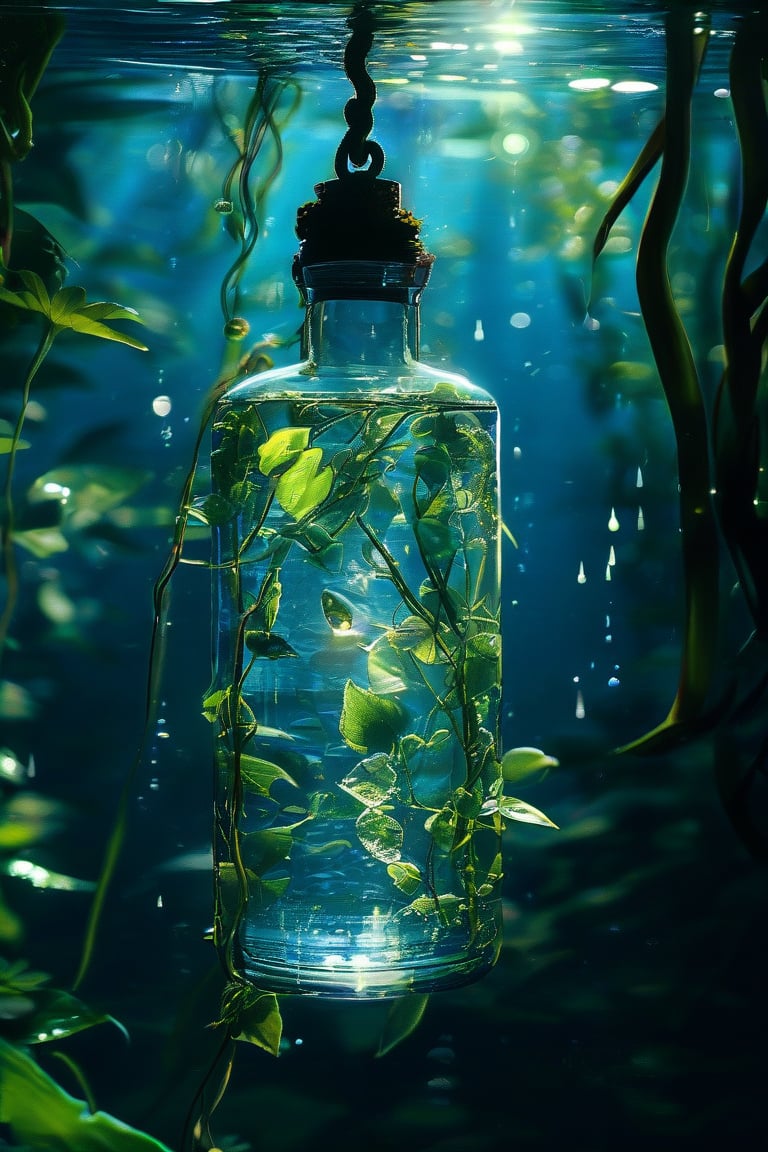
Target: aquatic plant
[722,449]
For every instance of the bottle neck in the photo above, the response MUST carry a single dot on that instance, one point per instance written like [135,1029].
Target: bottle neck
[370,333]
[361,311]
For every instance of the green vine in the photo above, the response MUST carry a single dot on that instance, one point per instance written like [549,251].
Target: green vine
[316,483]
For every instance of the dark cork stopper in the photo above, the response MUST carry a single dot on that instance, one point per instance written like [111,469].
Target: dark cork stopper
[358,218]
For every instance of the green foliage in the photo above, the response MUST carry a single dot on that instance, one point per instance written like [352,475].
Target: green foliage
[67,309]
[252,1015]
[42,1114]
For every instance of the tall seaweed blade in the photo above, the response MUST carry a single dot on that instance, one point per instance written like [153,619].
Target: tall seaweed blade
[686,35]
[739,439]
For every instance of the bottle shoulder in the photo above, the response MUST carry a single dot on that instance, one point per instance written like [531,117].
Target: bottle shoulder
[387,381]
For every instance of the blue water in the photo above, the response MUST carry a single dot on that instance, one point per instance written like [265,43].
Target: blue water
[628,1003]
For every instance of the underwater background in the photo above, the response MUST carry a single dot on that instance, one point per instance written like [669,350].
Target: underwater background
[628,1005]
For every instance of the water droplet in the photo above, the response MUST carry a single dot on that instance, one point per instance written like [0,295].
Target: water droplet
[580,710]
[640,520]
[614,682]
[520,320]
[479,333]
[582,576]
[611,557]
[237,328]
[639,481]
[608,572]
[613,523]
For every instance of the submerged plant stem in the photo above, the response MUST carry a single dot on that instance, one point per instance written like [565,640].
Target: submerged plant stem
[9,556]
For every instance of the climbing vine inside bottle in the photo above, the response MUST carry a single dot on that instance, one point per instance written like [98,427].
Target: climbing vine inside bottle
[355,706]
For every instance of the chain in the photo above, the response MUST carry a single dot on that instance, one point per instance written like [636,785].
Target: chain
[356,149]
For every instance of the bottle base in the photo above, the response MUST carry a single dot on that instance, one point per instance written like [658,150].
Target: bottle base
[333,965]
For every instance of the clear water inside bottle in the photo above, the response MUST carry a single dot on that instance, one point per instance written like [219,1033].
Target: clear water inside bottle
[359,622]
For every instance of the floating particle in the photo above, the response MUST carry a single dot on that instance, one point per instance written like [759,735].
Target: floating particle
[520,320]
[582,576]
[161,405]
[224,207]
[722,93]
[613,523]
[614,682]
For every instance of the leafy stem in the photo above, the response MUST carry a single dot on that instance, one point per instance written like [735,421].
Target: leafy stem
[8,552]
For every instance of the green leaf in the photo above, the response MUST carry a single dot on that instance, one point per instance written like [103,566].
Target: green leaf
[261,774]
[468,804]
[45,1117]
[37,290]
[65,302]
[415,635]
[268,848]
[403,1017]
[283,448]
[212,704]
[436,538]
[404,876]
[442,827]
[56,1014]
[520,763]
[260,1023]
[380,835]
[268,644]
[305,484]
[80,323]
[252,1015]
[513,809]
[108,310]
[449,909]
[337,610]
[371,781]
[7,445]
[217,510]
[485,644]
[386,668]
[370,723]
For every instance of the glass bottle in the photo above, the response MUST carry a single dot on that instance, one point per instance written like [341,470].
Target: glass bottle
[356,688]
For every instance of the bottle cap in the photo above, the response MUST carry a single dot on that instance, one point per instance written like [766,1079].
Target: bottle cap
[358,217]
